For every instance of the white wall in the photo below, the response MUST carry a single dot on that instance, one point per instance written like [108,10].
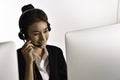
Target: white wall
[64,16]
[118,20]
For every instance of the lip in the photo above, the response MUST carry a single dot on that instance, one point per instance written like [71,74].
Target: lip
[43,42]
[40,44]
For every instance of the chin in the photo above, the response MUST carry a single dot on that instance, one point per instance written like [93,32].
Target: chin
[43,46]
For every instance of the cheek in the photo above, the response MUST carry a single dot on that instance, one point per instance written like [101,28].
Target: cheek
[33,38]
[47,36]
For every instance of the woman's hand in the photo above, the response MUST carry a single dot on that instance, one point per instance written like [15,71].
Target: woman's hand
[27,51]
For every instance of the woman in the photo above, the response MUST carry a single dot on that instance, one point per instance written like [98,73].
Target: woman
[36,60]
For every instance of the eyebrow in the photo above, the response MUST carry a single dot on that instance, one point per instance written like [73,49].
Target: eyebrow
[39,31]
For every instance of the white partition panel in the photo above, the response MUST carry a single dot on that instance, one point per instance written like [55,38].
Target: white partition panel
[94,54]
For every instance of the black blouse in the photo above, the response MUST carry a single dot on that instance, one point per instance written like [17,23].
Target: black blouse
[57,65]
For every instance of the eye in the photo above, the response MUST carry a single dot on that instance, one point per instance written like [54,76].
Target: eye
[45,31]
[35,34]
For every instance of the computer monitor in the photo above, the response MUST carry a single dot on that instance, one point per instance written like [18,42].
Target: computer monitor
[94,53]
[8,61]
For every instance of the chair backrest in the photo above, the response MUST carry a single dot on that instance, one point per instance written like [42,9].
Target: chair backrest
[8,61]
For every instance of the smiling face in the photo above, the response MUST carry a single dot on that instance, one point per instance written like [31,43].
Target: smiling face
[38,33]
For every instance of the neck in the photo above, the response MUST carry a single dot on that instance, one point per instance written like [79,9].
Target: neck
[39,52]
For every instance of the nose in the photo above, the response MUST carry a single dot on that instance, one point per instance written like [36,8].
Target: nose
[42,37]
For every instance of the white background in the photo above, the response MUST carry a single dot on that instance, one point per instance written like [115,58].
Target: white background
[64,16]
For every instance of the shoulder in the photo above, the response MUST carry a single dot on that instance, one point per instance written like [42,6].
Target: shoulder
[19,54]
[53,48]
[55,52]
[19,51]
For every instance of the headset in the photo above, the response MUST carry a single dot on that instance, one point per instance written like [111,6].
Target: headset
[22,34]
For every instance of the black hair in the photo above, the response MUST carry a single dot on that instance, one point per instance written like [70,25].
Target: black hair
[29,16]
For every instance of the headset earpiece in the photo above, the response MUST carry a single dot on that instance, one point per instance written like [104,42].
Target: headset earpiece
[21,35]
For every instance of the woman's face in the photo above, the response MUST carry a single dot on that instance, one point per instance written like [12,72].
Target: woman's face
[38,33]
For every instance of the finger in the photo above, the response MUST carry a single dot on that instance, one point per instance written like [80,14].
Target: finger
[26,43]
[26,47]
[27,51]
